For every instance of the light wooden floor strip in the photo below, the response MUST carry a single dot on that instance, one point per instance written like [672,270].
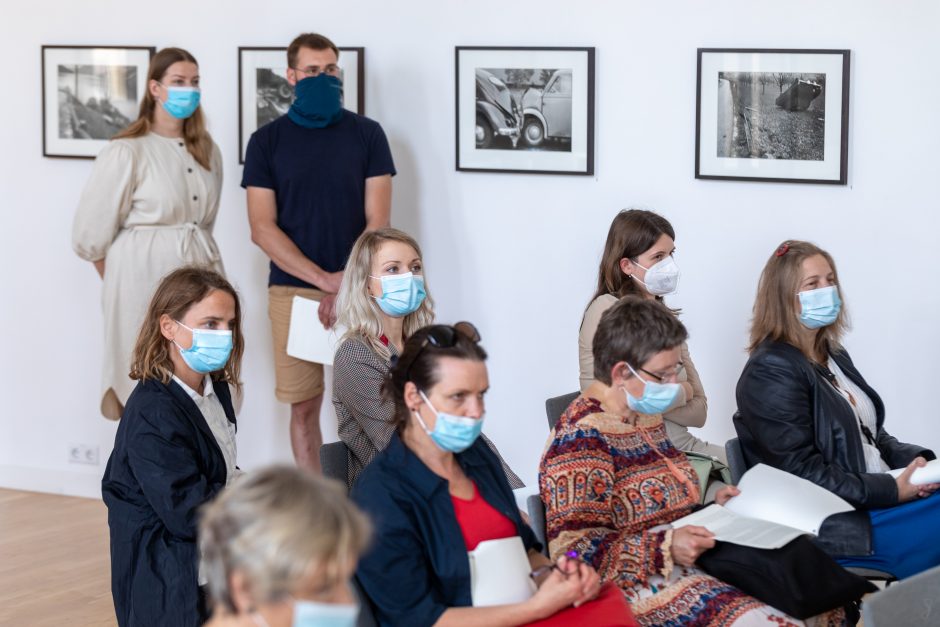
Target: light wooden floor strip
[54,562]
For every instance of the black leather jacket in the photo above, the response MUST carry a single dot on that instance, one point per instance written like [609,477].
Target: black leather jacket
[791,417]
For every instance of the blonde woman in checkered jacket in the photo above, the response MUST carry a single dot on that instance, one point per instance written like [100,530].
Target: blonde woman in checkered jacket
[383,300]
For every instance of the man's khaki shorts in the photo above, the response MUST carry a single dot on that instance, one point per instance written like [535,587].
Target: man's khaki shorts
[296,380]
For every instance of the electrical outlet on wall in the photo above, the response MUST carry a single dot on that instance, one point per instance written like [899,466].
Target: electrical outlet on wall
[83,454]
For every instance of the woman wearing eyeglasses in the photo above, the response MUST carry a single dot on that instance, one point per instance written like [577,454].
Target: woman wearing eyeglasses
[613,482]
[803,407]
[383,300]
[148,208]
[437,491]
[638,261]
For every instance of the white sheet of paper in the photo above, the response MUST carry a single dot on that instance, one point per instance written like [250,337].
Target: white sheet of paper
[773,508]
[499,573]
[777,496]
[928,474]
[730,527]
[307,339]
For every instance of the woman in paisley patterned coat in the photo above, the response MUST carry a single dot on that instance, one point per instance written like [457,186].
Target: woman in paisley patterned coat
[612,482]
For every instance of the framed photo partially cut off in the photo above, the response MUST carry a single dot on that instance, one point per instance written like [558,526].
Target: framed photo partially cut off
[772,115]
[265,95]
[89,94]
[525,110]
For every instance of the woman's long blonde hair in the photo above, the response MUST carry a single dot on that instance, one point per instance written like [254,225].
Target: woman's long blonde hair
[197,138]
[776,312]
[177,292]
[358,311]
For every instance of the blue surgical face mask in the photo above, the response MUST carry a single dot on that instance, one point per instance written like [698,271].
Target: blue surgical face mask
[181,102]
[319,101]
[820,307]
[313,614]
[656,399]
[402,294]
[210,350]
[451,433]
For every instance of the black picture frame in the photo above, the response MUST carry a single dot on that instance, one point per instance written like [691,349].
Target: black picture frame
[812,148]
[531,76]
[274,58]
[73,128]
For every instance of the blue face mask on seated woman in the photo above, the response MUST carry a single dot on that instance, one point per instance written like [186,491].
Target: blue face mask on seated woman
[451,433]
[210,350]
[820,307]
[656,399]
[402,294]
[319,101]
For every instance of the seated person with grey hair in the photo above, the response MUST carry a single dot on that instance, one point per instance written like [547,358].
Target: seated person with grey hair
[279,547]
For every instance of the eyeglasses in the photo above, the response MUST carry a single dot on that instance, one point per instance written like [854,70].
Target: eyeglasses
[665,374]
[443,336]
[315,70]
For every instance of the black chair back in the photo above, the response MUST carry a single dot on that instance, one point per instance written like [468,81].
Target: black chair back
[556,406]
[334,461]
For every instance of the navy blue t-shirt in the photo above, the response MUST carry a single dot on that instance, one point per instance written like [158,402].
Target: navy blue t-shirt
[319,177]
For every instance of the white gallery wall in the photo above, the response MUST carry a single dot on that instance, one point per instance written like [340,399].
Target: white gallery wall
[516,254]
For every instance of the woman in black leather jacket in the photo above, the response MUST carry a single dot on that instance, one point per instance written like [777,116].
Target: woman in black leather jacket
[804,408]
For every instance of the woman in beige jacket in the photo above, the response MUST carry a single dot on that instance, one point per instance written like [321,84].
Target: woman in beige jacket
[149,208]
[638,261]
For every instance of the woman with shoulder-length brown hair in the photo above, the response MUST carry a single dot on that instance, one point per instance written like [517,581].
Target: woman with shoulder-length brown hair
[803,407]
[638,260]
[175,447]
[149,207]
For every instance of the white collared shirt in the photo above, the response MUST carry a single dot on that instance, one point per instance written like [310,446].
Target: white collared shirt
[224,431]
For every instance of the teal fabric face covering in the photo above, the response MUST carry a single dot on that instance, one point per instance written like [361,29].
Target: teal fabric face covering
[318,103]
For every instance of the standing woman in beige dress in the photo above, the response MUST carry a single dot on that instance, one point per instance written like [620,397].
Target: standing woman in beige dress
[149,208]
[638,260]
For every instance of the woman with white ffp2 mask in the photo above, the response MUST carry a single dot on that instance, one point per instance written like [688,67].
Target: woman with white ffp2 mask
[639,260]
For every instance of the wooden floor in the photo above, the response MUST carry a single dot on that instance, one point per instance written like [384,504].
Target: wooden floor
[54,563]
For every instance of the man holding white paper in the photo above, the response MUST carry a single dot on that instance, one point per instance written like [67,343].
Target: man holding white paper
[316,178]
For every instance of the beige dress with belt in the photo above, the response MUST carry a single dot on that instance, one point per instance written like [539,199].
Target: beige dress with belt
[148,208]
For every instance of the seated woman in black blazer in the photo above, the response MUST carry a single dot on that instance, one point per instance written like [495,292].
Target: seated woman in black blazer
[174,449]
[804,408]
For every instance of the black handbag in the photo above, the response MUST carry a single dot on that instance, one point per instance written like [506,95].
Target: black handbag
[798,578]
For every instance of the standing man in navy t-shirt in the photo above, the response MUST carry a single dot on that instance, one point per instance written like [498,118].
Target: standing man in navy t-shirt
[316,178]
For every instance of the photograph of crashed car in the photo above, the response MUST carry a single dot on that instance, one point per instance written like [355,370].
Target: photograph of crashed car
[771,107]
[523,108]
[534,102]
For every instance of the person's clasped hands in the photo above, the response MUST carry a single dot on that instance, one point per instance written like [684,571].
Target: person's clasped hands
[569,581]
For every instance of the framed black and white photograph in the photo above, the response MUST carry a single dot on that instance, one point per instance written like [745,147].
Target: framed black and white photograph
[265,95]
[89,94]
[525,109]
[772,115]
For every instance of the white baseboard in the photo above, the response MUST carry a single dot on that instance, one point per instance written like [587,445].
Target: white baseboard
[67,482]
